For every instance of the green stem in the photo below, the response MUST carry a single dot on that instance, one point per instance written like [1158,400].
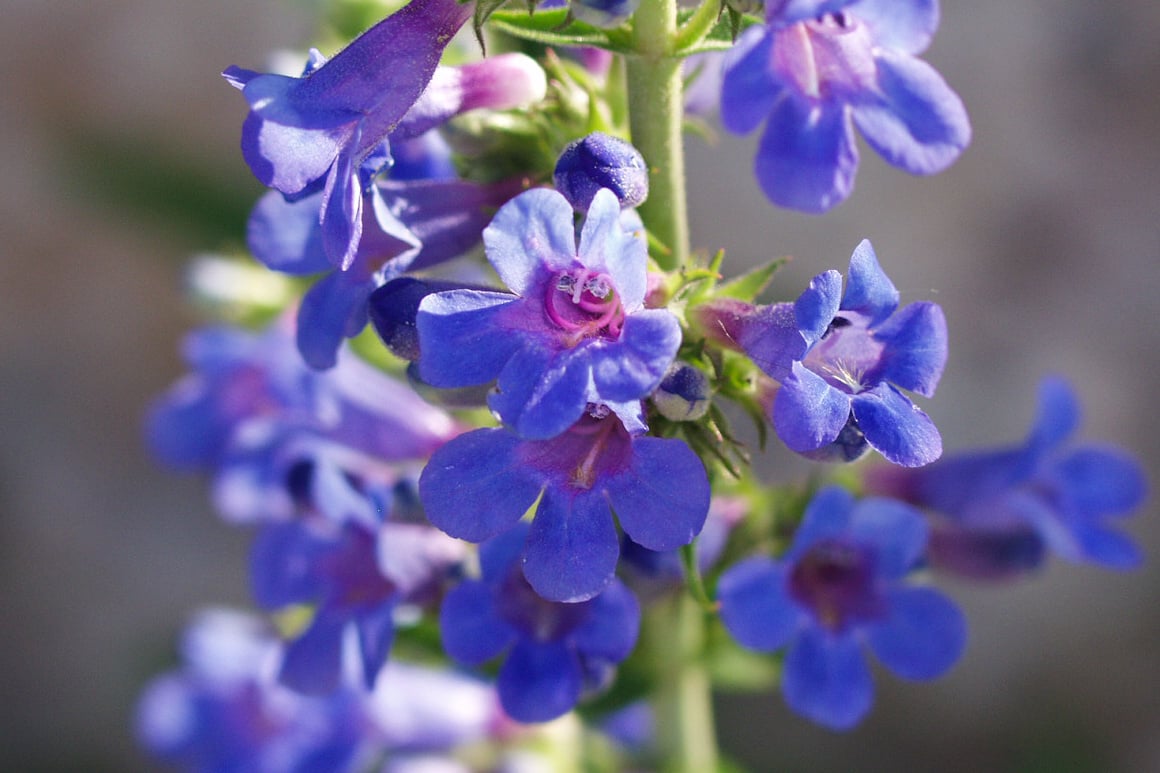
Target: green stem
[656,112]
[675,633]
[698,25]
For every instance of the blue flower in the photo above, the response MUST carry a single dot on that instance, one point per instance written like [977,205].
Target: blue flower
[480,484]
[842,360]
[818,68]
[840,587]
[575,331]
[554,651]
[598,161]
[251,412]
[1001,510]
[316,132]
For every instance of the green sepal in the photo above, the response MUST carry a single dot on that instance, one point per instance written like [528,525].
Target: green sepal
[483,11]
[723,34]
[554,27]
[746,287]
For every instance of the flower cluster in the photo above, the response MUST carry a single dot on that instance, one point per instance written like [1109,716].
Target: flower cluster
[529,471]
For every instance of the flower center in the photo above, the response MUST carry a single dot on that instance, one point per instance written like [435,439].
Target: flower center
[835,579]
[584,304]
[848,353]
[824,57]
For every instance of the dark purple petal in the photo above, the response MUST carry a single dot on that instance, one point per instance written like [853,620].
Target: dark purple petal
[755,607]
[807,158]
[612,626]
[475,487]
[1100,480]
[632,367]
[771,338]
[748,88]
[312,663]
[897,532]
[995,553]
[539,682]
[376,632]
[922,637]
[341,213]
[906,26]
[462,339]
[868,290]
[333,309]
[572,548]
[915,348]
[808,413]
[826,679]
[896,427]
[815,308]
[663,499]
[541,392]
[606,245]
[914,121]
[530,237]
[473,632]
[286,236]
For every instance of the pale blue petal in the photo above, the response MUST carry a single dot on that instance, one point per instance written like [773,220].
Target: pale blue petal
[1100,480]
[606,245]
[1057,415]
[748,88]
[808,413]
[632,367]
[530,237]
[286,236]
[868,290]
[815,308]
[903,25]
[922,637]
[462,340]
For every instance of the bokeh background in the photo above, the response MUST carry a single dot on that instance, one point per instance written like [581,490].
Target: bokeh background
[119,159]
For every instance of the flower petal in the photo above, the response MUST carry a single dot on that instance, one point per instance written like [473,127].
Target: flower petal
[539,682]
[808,413]
[663,499]
[1056,418]
[923,636]
[474,487]
[376,633]
[826,679]
[472,630]
[815,308]
[897,532]
[748,88]
[530,237]
[286,236]
[572,548]
[897,428]
[612,626]
[333,309]
[312,663]
[1100,480]
[632,367]
[461,338]
[827,515]
[606,245]
[807,158]
[915,348]
[907,26]
[541,392]
[755,607]
[914,120]
[868,290]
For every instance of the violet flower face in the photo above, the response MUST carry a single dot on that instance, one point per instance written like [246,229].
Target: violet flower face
[839,588]
[575,331]
[480,484]
[555,652]
[1001,510]
[820,67]
[842,360]
[315,132]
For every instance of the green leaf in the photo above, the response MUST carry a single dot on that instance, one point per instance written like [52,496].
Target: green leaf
[552,28]
[723,33]
[749,285]
[483,10]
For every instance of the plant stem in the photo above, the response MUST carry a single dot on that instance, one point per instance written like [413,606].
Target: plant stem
[656,112]
[683,701]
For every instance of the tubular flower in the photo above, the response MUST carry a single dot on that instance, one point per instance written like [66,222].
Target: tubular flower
[838,588]
[820,67]
[575,331]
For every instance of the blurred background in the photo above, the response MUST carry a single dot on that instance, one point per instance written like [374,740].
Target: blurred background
[119,159]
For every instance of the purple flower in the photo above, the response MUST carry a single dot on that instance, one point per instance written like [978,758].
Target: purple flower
[601,161]
[842,359]
[839,587]
[554,651]
[818,68]
[251,412]
[575,331]
[480,484]
[1001,509]
[316,132]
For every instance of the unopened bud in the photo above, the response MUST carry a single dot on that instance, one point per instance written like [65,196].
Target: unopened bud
[601,161]
[684,394]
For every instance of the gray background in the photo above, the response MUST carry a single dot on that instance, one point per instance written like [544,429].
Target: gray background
[118,155]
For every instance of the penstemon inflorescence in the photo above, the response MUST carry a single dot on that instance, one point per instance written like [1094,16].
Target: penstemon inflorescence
[512,515]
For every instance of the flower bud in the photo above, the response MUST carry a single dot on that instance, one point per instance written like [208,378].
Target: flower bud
[601,161]
[684,393]
[393,308]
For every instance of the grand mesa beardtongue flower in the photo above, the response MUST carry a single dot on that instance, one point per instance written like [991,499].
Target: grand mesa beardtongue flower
[315,132]
[820,67]
[575,332]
